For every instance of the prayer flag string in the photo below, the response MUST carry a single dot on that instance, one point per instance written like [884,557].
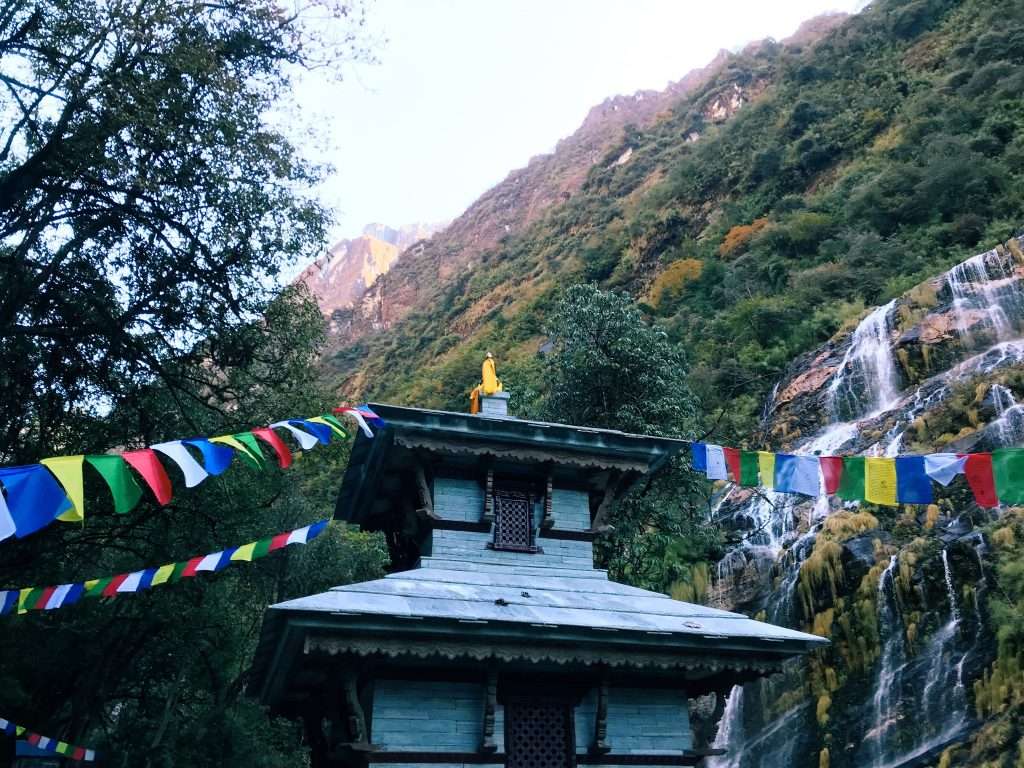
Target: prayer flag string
[60,596]
[994,478]
[33,496]
[47,744]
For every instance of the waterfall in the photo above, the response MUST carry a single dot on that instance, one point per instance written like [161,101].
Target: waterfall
[1009,422]
[730,731]
[920,680]
[886,701]
[985,287]
[866,380]
[950,589]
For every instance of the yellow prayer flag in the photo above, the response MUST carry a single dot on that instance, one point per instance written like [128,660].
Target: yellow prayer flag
[22,596]
[880,480]
[766,467]
[163,573]
[62,747]
[68,471]
[229,440]
[244,552]
[326,423]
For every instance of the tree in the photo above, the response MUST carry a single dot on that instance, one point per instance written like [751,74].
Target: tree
[147,207]
[144,200]
[610,369]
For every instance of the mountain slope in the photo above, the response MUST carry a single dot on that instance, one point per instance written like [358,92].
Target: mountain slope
[861,165]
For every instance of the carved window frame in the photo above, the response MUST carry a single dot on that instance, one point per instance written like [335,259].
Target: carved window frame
[511,534]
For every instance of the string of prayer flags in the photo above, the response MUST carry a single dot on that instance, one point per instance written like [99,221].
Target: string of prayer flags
[993,478]
[33,496]
[49,598]
[46,744]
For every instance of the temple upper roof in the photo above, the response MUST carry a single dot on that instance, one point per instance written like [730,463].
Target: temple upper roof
[461,440]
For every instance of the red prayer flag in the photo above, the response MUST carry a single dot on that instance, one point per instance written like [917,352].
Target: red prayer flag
[146,463]
[732,458]
[78,754]
[190,568]
[33,738]
[278,541]
[269,436]
[978,470]
[832,470]
[111,589]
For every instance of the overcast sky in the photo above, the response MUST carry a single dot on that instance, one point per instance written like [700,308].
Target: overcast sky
[467,90]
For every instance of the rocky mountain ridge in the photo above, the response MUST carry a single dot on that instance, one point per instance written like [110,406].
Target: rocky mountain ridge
[340,277]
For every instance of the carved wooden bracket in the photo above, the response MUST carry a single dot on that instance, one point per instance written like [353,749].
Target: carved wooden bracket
[488,515]
[618,483]
[549,520]
[356,719]
[426,507]
[601,745]
[488,744]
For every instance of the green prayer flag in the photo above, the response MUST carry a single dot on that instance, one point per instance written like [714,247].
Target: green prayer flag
[261,549]
[33,597]
[95,587]
[123,488]
[179,568]
[851,486]
[335,424]
[1008,469]
[255,455]
[748,468]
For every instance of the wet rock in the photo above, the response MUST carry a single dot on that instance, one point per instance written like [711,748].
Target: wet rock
[859,556]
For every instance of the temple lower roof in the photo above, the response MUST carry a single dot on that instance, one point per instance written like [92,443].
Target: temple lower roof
[500,610]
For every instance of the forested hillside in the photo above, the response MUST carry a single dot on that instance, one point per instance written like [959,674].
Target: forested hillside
[854,168]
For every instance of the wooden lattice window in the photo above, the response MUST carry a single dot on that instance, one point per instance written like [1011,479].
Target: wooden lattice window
[513,521]
[539,734]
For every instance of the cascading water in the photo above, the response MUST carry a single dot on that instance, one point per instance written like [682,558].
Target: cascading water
[1009,423]
[867,381]
[919,691]
[984,286]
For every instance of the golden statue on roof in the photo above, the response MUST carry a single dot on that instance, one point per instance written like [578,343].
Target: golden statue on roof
[489,384]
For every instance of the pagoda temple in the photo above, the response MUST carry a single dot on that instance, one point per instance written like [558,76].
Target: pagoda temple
[496,641]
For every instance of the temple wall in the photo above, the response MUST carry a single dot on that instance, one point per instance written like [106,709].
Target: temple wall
[436,716]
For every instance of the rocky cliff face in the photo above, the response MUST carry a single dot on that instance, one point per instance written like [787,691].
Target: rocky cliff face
[341,276]
[901,592]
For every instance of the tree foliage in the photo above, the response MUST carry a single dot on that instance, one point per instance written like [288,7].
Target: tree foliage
[610,369]
[147,206]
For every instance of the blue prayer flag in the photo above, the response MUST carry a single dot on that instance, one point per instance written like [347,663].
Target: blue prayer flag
[216,457]
[699,457]
[912,483]
[34,498]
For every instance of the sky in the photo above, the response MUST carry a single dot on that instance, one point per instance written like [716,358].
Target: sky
[465,91]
